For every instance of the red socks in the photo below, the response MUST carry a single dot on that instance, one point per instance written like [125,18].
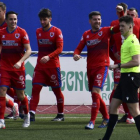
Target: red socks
[9,103]
[2,107]
[103,109]
[35,97]
[95,106]
[59,98]
[25,105]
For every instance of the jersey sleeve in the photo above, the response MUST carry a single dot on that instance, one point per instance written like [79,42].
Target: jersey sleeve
[59,44]
[25,38]
[134,48]
[81,45]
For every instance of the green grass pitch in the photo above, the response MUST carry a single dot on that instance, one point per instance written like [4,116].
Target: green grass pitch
[71,129]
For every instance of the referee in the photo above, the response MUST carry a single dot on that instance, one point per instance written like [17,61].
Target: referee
[130,77]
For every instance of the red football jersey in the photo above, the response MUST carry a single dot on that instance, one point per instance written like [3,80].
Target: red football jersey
[118,38]
[50,43]
[97,47]
[12,48]
[3,25]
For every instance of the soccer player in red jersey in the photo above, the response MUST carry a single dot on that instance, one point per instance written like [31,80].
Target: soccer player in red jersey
[2,15]
[10,91]
[118,39]
[47,70]
[13,41]
[97,42]
[132,12]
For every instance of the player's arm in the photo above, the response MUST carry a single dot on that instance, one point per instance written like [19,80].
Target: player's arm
[59,48]
[80,47]
[132,63]
[26,44]
[25,56]
[116,28]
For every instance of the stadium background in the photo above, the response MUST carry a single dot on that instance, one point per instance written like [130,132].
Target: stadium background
[71,16]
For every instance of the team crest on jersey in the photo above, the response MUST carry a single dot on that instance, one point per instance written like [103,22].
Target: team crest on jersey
[21,78]
[51,34]
[99,76]
[17,35]
[39,34]
[100,33]
[87,36]
[53,77]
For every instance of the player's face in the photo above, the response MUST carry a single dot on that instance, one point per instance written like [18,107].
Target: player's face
[45,22]
[124,28]
[2,13]
[133,14]
[95,22]
[11,21]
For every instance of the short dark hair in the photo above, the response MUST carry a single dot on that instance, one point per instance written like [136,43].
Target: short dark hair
[124,5]
[3,6]
[43,13]
[132,9]
[94,13]
[11,12]
[127,19]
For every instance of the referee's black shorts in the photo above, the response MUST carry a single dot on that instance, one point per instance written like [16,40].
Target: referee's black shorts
[127,89]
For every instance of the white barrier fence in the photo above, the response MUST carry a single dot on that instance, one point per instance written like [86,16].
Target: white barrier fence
[74,83]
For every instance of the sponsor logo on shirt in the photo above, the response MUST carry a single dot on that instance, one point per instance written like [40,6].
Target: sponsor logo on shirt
[44,41]
[93,42]
[17,35]
[9,43]
[51,34]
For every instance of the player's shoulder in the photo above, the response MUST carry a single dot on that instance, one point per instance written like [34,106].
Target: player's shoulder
[55,29]
[133,40]
[39,29]
[21,30]
[136,20]
[3,31]
[87,32]
[114,22]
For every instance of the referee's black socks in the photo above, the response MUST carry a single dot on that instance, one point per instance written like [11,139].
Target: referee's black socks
[137,122]
[112,122]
